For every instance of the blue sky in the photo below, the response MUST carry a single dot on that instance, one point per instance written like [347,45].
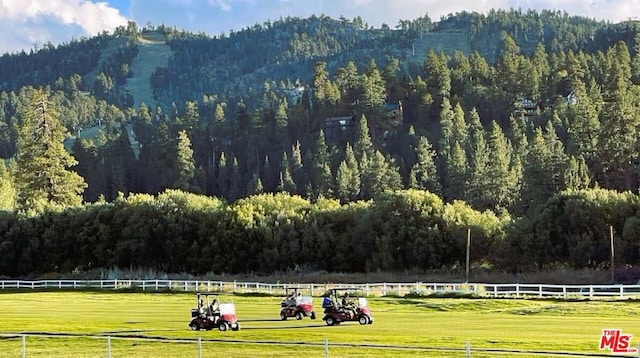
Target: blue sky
[25,24]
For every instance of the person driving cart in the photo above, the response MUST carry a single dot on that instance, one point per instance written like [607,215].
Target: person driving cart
[214,310]
[348,305]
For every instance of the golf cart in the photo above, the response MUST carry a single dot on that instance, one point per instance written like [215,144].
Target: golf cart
[346,304]
[210,313]
[296,305]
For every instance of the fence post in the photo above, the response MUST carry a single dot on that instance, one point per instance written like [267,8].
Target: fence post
[108,346]
[468,349]
[24,346]
[326,348]
[199,347]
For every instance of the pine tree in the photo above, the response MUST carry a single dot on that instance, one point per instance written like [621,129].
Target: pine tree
[424,174]
[381,174]
[255,185]
[185,162]
[8,192]
[455,183]
[501,184]
[373,89]
[584,125]
[362,144]
[620,121]
[236,185]
[320,80]
[459,127]
[119,166]
[476,193]
[223,175]
[576,176]
[322,179]
[286,181]
[446,127]
[298,173]
[43,176]
[348,177]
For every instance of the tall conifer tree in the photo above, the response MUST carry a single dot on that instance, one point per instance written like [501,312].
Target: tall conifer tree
[44,176]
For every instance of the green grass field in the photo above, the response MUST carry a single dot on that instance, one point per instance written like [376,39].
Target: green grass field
[155,325]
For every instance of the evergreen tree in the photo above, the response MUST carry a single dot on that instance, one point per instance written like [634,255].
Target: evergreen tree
[8,192]
[373,90]
[501,184]
[119,166]
[362,144]
[224,176]
[286,181]
[191,116]
[322,178]
[455,183]
[320,80]
[619,121]
[348,83]
[43,174]
[459,126]
[446,128]
[298,173]
[584,125]
[476,193]
[236,185]
[438,77]
[381,174]
[423,173]
[185,163]
[577,175]
[255,185]
[557,158]
[348,177]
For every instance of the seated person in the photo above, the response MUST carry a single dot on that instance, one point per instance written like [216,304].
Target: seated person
[348,306]
[214,310]
[345,299]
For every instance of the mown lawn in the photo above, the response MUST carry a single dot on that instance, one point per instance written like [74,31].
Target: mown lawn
[434,327]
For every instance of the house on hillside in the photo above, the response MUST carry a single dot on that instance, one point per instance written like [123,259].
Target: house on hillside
[393,114]
[392,119]
[336,127]
[526,107]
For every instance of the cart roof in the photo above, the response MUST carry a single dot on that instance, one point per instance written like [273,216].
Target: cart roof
[209,293]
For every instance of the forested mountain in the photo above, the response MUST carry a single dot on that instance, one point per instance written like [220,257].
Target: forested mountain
[506,112]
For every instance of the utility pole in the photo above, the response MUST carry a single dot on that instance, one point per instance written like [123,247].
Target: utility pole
[613,278]
[468,247]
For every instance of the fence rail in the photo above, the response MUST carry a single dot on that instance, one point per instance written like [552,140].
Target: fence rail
[369,289]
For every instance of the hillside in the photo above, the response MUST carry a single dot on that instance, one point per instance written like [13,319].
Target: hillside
[153,53]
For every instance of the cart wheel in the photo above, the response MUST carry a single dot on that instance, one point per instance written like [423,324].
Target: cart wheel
[194,326]
[299,315]
[313,315]
[222,327]
[363,320]
[283,315]
[330,321]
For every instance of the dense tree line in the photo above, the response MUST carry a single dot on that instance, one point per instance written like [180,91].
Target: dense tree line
[500,141]
[402,230]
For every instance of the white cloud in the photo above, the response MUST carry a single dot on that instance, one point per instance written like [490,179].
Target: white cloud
[222,4]
[28,22]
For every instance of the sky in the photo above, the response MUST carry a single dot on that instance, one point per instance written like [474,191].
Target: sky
[29,24]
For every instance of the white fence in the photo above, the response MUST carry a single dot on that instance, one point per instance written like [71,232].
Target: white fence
[370,289]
